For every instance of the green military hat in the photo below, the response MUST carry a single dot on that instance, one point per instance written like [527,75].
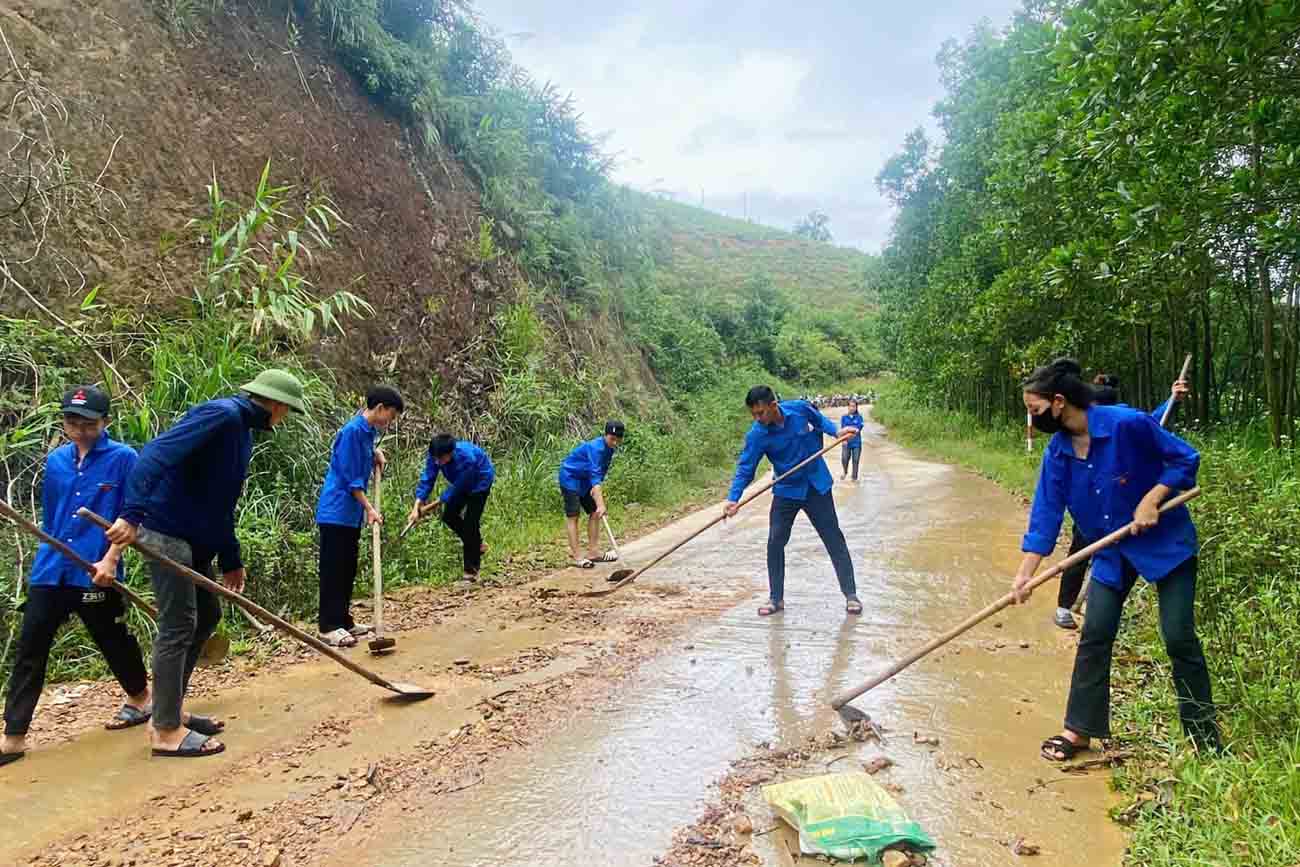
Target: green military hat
[281,385]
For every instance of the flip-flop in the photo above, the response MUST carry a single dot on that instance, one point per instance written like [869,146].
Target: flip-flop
[191,748]
[770,608]
[339,638]
[607,557]
[853,606]
[128,717]
[10,758]
[205,725]
[584,563]
[1067,748]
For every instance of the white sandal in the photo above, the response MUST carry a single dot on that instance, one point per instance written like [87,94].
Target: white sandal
[339,638]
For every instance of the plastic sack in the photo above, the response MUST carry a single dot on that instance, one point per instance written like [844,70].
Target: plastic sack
[846,816]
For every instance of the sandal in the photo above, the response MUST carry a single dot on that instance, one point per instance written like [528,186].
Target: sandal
[10,758]
[361,629]
[853,605]
[128,717]
[205,725]
[584,563]
[769,608]
[607,557]
[1065,619]
[1059,748]
[339,638]
[191,747]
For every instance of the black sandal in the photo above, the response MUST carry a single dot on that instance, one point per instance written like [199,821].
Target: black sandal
[1067,748]
[205,725]
[9,758]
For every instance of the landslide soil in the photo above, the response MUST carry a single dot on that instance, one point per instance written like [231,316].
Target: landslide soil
[625,730]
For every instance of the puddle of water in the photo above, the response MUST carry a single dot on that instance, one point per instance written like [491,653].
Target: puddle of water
[930,544]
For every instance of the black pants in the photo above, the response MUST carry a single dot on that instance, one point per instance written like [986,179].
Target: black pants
[464,515]
[820,509]
[851,452]
[45,611]
[339,549]
[1072,578]
[1088,710]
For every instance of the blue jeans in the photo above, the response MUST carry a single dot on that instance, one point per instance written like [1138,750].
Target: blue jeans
[820,509]
[851,452]
[1088,709]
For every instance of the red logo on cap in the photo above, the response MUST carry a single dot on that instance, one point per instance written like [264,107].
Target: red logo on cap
[79,397]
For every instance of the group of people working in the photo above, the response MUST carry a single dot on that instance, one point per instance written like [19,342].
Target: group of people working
[178,496]
[1106,463]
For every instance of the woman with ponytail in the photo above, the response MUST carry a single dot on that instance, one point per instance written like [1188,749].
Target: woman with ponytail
[1110,466]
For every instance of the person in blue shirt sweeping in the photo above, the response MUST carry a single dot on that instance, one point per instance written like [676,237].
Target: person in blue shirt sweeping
[786,433]
[582,478]
[180,500]
[470,474]
[852,450]
[1110,466]
[342,508]
[90,470]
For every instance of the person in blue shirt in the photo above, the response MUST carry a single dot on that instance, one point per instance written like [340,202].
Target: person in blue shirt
[786,433]
[1110,466]
[343,507]
[1105,393]
[582,478]
[180,500]
[852,450]
[470,474]
[90,470]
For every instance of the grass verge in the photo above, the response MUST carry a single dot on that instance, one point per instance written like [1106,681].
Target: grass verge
[1185,809]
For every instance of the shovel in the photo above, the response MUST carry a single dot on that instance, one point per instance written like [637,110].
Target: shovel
[379,644]
[404,691]
[851,714]
[619,574]
[1182,377]
[214,649]
[627,576]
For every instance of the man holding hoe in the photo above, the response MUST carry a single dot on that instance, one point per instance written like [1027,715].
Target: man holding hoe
[786,433]
[180,500]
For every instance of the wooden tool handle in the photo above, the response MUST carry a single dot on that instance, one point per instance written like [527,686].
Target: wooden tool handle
[12,514]
[1083,554]
[1182,377]
[248,605]
[747,500]
[374,550]
[610,533]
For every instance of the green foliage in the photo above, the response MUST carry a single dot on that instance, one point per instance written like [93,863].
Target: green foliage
[1236,809]
[254,260]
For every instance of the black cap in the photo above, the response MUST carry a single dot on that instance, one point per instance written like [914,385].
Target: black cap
[86,401]
[616,428]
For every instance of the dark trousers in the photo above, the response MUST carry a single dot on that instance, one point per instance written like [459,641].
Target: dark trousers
[187,617]
[820,509]
[464,516]
[1072,579]
[851,452]
[1088,709]
[44,612]
[339,549]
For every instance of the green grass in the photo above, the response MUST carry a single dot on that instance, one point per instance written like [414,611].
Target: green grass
[724,254]
[1185,809]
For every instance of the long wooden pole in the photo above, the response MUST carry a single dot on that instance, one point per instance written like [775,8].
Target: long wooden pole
[985,613]
[763,490]
[1182,377]
[261,613]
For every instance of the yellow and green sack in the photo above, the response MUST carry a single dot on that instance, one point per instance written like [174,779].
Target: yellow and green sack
[845,816]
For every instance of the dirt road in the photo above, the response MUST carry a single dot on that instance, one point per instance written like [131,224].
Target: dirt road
[620,731]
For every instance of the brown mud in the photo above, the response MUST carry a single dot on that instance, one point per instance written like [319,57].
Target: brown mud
[628,730]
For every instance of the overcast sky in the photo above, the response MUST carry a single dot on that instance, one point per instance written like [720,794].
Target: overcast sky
[792,106]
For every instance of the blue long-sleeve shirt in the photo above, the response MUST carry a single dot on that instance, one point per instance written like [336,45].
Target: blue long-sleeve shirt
[469,471]
[586,466]
[97,482]
[797,438]
[853,419]
[1130,453]
[190,476]
[352,456]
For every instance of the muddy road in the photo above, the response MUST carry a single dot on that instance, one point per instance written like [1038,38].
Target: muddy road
[623,731]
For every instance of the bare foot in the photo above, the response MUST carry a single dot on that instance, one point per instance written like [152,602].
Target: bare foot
[13,744]
[142,701]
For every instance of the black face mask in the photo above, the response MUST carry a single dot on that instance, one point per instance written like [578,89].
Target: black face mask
[1045,422]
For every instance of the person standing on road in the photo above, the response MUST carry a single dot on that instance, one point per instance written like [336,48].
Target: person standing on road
[90,470]
[180,500]
[470,475]
[786,433]
[1111,466]
[1105,393]
[343,507]
[582,479]
[852,450]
